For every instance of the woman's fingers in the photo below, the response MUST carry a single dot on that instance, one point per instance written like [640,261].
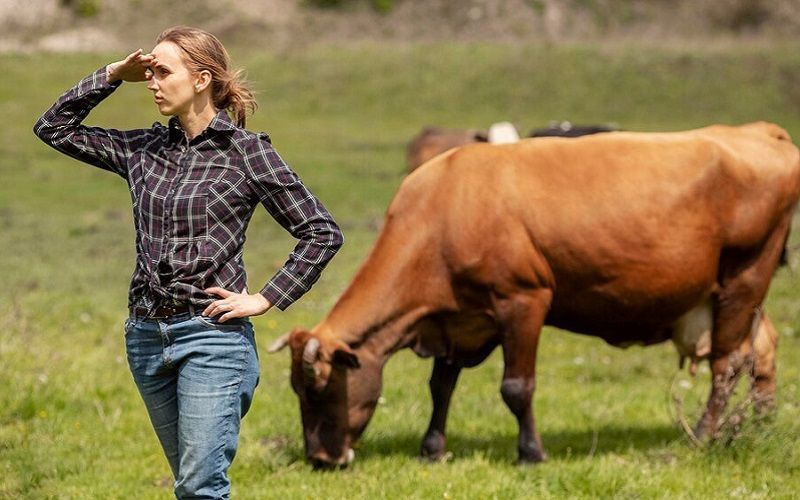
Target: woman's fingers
[132,68]
[229,309]
[235,311]
[133,55]
[215,307]
[225,317]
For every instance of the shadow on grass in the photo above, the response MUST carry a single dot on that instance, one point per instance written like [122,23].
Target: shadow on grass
[502,447]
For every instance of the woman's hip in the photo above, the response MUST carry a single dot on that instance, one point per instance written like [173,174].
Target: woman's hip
[162,345]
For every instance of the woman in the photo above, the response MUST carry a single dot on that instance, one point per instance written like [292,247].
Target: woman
[195,184]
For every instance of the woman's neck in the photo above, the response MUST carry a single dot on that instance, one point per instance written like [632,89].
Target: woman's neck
[197,119]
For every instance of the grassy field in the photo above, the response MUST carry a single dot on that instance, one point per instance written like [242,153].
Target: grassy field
[72,424]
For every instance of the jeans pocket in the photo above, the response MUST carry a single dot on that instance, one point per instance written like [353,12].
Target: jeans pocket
[128,326]
[231,324]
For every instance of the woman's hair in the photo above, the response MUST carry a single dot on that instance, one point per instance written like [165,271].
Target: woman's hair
[205,52]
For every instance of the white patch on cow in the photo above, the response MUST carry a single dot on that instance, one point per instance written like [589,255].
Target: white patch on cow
[503,133]
[691,334]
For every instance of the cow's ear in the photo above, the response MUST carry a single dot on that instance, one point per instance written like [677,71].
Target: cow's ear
[344,356]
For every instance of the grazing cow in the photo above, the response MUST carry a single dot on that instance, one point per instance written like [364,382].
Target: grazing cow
[630,237]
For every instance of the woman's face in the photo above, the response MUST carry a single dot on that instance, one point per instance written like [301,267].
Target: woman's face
[172,83]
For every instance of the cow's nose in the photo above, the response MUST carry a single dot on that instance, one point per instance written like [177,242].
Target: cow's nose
[320,464]
[321,460]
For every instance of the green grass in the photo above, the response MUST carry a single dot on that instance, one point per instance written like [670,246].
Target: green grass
[72,424]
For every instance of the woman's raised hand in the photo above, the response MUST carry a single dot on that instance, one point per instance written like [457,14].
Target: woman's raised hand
[130,69]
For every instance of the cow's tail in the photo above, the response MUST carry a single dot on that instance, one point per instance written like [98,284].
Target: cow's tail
[784,256]
[786,251]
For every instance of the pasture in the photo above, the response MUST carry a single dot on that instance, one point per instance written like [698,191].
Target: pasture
[72,424]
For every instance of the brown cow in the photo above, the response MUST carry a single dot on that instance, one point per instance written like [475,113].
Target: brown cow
[627,236]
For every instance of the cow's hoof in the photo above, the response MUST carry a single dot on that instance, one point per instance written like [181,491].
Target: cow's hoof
[530,456]
[433,446]
[703,433]
[764,405]
[699,434]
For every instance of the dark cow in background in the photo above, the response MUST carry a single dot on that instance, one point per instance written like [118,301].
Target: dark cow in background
[432,141]
[567,129]
[630,237]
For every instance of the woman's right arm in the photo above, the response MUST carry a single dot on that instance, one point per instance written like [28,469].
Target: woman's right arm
[60,126]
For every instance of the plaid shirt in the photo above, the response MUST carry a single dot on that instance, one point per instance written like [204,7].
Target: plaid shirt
[192,200]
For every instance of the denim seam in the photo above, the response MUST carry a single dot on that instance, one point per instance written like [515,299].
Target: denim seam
[235,396]
[166,360]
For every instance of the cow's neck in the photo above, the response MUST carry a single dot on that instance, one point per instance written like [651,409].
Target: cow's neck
[396,286]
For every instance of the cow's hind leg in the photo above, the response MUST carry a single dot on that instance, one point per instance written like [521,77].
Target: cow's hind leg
[727,364]
[744,285]
[765,344]
[522,317]
[442,383]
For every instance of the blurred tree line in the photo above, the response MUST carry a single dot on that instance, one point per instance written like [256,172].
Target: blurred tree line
[735,15]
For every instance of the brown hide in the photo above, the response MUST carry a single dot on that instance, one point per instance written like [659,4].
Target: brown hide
[615,235]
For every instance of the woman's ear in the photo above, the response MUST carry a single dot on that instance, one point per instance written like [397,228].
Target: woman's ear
[202,81]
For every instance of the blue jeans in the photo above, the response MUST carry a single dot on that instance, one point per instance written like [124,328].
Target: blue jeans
[196,377]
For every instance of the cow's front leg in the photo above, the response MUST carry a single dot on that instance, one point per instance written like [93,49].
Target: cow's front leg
[442,383]
[522,317]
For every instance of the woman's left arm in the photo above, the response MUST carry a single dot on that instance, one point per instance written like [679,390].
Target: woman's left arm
[295,208]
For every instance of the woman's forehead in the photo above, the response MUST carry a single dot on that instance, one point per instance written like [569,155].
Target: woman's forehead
[168,53]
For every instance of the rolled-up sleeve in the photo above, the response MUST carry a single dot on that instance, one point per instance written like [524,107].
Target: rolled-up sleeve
[60,127]
[298,211]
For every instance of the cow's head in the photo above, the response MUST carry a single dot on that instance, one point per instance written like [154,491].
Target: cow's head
[337,391]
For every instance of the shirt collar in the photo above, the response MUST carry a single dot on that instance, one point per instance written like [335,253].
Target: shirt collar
[220,123]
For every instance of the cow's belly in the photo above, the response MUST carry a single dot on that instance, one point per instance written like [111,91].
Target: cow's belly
[625,315]
[633,296]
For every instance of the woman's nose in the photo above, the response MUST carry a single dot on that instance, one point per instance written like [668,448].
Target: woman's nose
[151,84]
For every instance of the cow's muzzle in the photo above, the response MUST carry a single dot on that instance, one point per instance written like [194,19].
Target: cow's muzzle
[321,460]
